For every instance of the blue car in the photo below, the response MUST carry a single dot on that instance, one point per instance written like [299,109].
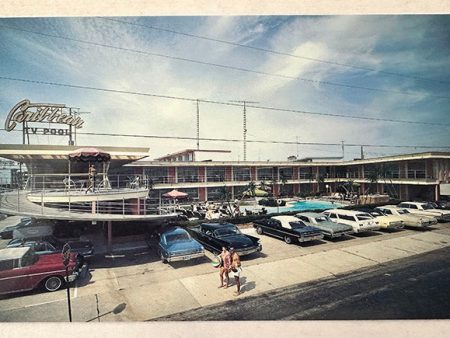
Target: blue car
[175,244]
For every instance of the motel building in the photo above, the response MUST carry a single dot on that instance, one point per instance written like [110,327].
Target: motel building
[51,177]
[421,176]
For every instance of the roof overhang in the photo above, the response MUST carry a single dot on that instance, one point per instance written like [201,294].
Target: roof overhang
[27,152]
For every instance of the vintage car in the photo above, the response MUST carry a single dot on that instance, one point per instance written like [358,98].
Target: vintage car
[426,209]
[50,244]
[386,222]
[359,221]
[409,219]
[7,232]
[214,236]
[324,224]
[288,228]
[22,269]
[175,244]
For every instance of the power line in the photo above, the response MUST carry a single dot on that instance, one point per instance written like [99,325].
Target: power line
[334,63]
[191,138]
[310,81]
[220,102]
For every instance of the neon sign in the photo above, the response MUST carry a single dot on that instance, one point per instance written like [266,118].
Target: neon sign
[25,111]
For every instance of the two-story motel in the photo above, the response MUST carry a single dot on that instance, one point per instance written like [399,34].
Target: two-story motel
[420,176]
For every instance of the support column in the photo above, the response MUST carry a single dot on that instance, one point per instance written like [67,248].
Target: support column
[253,176]
[202,194]
[109,236]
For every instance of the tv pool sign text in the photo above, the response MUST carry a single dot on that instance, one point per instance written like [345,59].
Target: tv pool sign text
[25,112]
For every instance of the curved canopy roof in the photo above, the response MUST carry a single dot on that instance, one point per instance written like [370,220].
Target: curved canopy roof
[89,155]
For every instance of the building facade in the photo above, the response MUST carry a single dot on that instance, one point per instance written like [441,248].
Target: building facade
[407,177]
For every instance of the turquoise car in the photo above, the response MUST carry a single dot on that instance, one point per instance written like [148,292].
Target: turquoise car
[175,244]
[328,228]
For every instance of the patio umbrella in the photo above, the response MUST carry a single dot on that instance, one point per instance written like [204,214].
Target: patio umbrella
[175,194]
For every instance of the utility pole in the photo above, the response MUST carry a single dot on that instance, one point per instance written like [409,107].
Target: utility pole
[244,124]
[75,129]
[362,153]
[198,126]
[245,133]
[296,138]
[343,150]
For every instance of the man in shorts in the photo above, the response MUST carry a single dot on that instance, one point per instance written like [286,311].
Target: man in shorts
[225,267]
[236,269]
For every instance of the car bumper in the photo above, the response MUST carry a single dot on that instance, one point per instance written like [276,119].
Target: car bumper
[368,228]
[244,252]
[185,257]
[392,226]
[310,238]
[339,234]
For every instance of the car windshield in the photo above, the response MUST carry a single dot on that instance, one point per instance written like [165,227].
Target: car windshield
[427,206]
[376,213]
[403,211]
[321,219]
[227,232]
[296,225]
[363,217]
[29,258]
[177,238]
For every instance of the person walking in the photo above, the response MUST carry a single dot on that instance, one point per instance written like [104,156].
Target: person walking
[225,268]
[236,269]
[92,176]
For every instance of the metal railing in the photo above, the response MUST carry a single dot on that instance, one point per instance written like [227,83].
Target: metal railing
[15,198]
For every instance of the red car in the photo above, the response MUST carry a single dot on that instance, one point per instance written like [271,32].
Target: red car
[21,269]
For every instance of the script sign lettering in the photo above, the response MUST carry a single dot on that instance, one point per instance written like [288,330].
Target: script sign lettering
[25,111]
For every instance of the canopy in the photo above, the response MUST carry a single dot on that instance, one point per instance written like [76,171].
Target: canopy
[89,155]
[175,194]
[258,193]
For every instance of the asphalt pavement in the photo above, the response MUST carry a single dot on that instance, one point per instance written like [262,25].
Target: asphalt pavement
[416,287]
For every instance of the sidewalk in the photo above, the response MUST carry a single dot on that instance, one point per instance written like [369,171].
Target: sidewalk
[161,298]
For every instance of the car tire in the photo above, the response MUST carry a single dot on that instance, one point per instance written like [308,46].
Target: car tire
[53,283]
[163,259]
[288,240]
[259,231]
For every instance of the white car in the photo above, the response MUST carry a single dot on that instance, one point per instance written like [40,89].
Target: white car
[409,219]
[359,221]
[388,222]
[425,209]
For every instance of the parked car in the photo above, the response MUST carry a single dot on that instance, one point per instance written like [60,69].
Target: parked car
[50,244]
[7,232]
[213,236]
[409,219]
[359,221]
[387,222]
[175,244]
[71,229]
[324,224]
[22,269]
[426,209]
[288,228]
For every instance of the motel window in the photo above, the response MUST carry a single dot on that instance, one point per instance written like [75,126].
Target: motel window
[187,175]
[241,174]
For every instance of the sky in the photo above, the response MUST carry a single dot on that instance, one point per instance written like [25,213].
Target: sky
[382,67]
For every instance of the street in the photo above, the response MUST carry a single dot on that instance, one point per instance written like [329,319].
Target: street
[416,287]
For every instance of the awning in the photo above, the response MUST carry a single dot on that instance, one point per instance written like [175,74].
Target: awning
[89,155]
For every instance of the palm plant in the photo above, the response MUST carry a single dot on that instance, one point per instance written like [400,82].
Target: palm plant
[251,187]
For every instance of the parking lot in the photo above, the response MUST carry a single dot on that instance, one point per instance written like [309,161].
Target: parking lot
[136,285]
